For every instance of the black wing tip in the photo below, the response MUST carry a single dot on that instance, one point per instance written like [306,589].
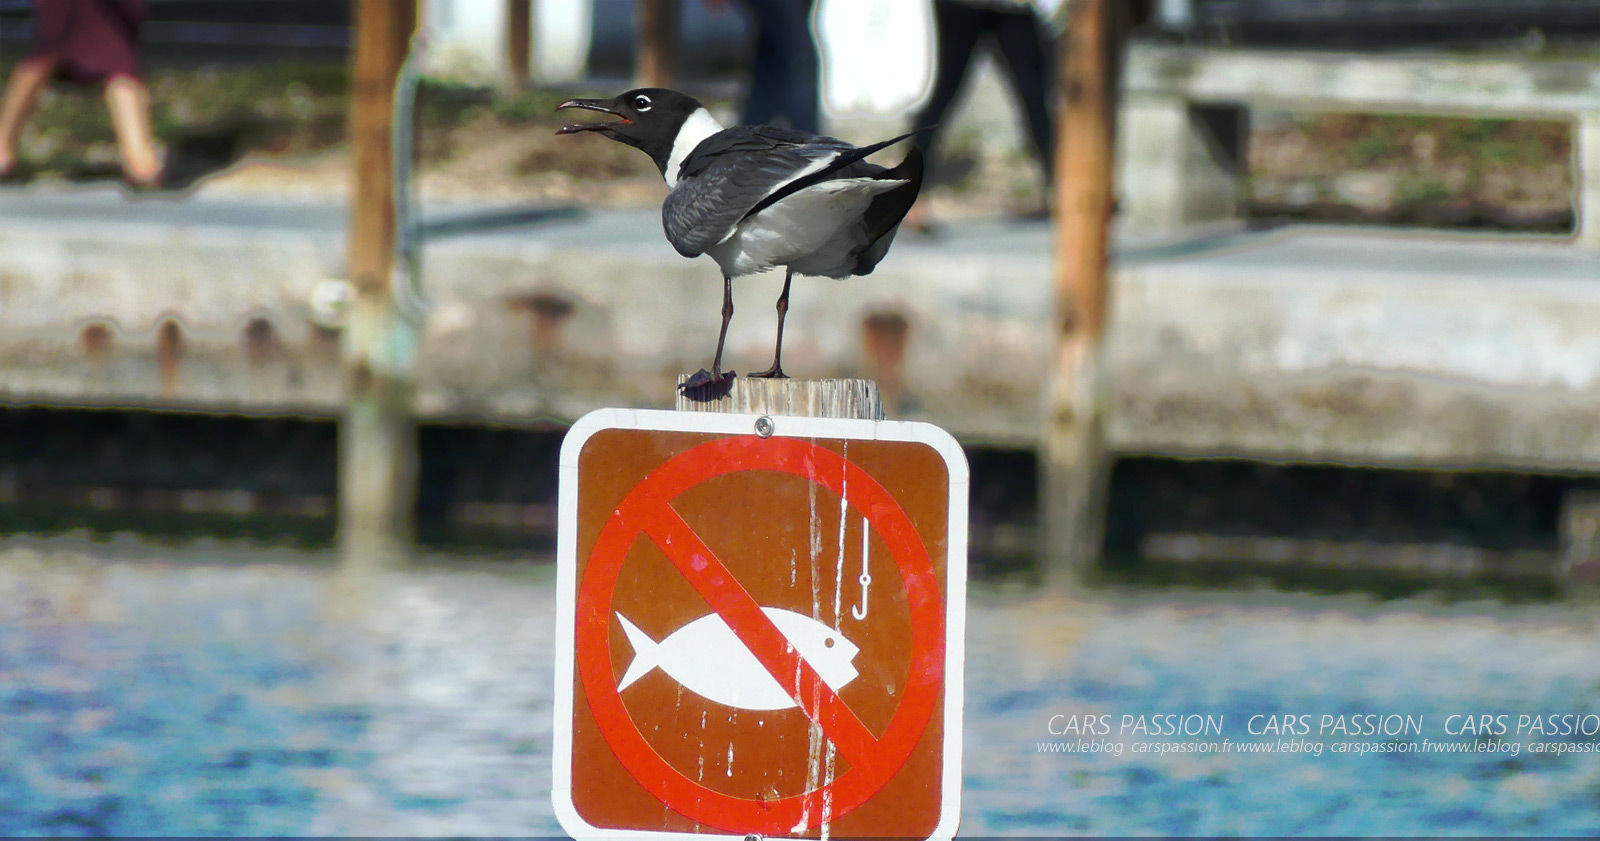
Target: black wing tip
[864,151]
[910,134]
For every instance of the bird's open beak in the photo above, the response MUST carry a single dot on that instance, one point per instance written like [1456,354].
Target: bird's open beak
[601,105]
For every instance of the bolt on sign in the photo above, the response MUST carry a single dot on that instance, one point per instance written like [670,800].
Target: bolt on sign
[760,627]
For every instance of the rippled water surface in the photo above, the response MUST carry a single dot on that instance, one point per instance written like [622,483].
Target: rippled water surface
[219,690]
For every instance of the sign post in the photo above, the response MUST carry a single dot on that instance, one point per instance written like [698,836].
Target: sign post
[761,626]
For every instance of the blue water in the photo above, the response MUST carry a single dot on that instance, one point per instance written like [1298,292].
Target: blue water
[1320,657]
[159,695]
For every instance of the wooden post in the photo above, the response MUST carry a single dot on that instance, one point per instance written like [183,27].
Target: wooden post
[377,439]
[1579,533]
[656,30]
[519,21]
[856,399]
[1074,469]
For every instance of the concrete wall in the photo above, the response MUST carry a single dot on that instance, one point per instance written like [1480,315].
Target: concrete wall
[548,325]
[1362,347]
[1308,344]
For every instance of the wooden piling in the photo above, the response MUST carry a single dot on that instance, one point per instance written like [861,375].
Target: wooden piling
[1579,534]
[1586,172]
[856,399]
[519,49]
[656,31]
[377,437]
[1074,464]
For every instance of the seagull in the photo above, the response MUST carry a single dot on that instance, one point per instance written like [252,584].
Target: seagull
[759,197]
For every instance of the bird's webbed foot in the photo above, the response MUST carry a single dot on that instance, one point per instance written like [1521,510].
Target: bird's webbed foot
[705,385]
[773,373]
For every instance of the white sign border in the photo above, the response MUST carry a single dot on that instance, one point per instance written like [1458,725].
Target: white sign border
[789,427]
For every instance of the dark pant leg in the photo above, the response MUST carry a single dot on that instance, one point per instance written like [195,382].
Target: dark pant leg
[784,69]
[802,102]
[1022,40]
[761,101]
[956,31]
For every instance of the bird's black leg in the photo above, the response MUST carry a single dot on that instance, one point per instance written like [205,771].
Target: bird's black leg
[715,375]
[776,371]
[722,337]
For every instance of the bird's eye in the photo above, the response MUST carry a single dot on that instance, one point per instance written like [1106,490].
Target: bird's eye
[827,642]
[641,103]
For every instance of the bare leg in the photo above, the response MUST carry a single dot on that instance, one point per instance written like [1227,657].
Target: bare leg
[776,371]
[129,102]
[715,375]
[22,91]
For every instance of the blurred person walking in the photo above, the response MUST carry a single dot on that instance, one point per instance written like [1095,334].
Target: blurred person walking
[784,77]
[1023,44]
[86,41]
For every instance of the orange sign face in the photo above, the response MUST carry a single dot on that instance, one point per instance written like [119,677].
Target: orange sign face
[759,633]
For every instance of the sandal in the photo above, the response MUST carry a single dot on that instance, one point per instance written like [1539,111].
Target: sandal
[184,169]
[170,182]
[16,175]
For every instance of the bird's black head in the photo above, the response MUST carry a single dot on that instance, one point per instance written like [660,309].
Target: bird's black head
[651,118]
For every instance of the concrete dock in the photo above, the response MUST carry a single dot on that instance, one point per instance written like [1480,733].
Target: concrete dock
[1300,343]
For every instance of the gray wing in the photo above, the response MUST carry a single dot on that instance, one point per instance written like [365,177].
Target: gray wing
[733,172]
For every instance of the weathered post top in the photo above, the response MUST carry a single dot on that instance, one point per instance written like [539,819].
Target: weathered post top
[842,398]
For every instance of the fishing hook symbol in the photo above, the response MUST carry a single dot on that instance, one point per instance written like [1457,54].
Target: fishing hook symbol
[865,578]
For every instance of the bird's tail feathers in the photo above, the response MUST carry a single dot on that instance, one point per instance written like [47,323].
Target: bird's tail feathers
[883,216]
[909,169]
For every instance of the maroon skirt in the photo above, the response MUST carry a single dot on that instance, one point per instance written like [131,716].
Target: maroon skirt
[89,40]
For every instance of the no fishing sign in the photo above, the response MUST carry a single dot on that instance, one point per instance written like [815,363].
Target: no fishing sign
[760,626]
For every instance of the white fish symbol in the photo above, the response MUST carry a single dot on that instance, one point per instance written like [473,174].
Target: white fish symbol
[707,658]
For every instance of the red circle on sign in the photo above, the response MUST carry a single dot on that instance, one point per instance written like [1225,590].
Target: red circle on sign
[882,756]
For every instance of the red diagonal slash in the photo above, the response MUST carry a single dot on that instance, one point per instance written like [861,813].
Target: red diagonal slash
[712,580]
